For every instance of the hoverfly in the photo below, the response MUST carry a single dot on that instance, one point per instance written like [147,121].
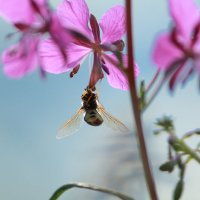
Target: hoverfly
[94,115]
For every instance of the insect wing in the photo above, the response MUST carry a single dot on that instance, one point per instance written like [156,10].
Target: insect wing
[111,121]
[71,126]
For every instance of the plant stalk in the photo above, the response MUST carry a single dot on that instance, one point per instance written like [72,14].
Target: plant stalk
[135,103]
[154,94]
[188,150]
[155,77]
[69,186]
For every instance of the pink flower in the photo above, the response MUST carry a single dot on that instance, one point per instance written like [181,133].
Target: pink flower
[32,18]
[21,58]
[173,50]
[75,15]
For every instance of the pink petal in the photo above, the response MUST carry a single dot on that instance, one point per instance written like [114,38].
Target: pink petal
[17,11]
[116,77]
[21,11]
[40,7]
[21,58]
[58,32]
[197,65]
[113,24]
[52,60]
[196,49]
[186,16]
[165,52]
[41,2]
[196,60]
[74,14]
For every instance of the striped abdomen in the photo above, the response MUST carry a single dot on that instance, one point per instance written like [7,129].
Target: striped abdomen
[93,118]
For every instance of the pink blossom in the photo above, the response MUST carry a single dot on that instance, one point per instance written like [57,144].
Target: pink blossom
[173,50]
[20,11]
[32,18]
[21,58]
[75,15]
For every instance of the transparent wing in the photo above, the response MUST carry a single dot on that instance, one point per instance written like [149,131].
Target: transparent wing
[111,121]
[71,126]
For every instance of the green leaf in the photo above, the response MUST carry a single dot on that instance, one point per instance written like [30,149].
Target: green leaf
[66,187]
[178,190]
[142,95]
[168,166]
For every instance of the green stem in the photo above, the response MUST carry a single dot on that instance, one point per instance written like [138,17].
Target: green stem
[190,134]
[188,150]
[188,160]
[66,187]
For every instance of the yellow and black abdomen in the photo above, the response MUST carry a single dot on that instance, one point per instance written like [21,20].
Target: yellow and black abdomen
[93,118]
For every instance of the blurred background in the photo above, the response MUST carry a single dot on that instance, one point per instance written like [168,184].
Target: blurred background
[34,163]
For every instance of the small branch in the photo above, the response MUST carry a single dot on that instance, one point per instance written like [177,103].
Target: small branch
[185,148]
[136,107]
[154,94]
[189,158]
[188,150]
[153,81]
[169,72]
[191,133]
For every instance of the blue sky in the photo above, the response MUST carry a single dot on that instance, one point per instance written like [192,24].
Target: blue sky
[34,163]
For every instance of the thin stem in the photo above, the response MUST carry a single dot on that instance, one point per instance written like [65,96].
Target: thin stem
[189,158]
[185,148]
[154,94]
[190,134]
[188,150]
[69,186]
[163,80]
[136,108]
[153,81]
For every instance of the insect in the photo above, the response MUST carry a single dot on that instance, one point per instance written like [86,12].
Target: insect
[94,115]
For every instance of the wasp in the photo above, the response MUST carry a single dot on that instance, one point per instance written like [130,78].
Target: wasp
[94,115]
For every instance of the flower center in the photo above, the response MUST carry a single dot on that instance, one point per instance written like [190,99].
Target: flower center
[97,48]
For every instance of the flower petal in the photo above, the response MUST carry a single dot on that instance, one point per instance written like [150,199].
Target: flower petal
[196,63]
[17,11]
[186,16]
[57,31]
[74,14]
[21,12]
[196,49]
[116,78]
[113,24]
[52,59]
[165,52]
[21,58]
[40,7]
